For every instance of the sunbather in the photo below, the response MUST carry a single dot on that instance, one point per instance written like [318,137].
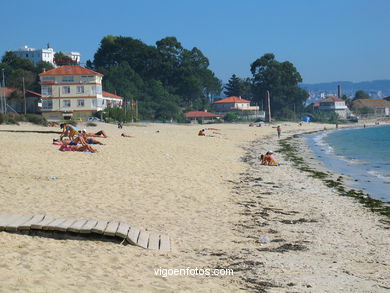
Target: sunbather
[77,148]
[100,133]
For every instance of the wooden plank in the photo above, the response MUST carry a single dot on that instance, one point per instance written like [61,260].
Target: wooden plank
[52,226]
[34,220]
[76,226]
[45,221]
[111,229]
[87,227]
[132,235]
[154,241]
[100,227]
[123,229]
[64,226]
[143,239]
[165,244]
[14,225]
[4,218]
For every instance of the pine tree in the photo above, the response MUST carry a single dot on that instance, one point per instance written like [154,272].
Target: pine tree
[233,87]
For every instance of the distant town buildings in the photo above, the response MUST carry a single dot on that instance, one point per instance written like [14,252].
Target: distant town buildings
[47,55]
[74,92]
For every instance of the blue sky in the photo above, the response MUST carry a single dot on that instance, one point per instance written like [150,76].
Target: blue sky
[327,40]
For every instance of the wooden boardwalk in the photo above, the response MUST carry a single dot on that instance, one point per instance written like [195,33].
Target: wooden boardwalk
[99,228]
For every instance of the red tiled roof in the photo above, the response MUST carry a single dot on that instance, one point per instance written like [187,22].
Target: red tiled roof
[7,92]
[332,99]
[315,104]
[110,95]
[371,103]
[70,70]
[33,93]
[200,114]
[232,100]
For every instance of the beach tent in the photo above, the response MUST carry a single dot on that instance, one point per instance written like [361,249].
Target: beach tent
[306,118]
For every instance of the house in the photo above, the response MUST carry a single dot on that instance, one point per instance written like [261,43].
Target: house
[380,107]
[241,107]
[202,116]
[18,104]
[47,55]
[334,104]
[74,92]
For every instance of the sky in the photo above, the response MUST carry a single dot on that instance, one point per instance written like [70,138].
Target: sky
[326,40]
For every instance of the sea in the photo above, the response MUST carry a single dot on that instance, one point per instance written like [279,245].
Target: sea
[362,154]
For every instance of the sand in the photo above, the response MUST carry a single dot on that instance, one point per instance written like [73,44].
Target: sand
[205,193]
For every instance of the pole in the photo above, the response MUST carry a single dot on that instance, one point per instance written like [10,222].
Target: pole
[269,107]
[4,101]
[24,96]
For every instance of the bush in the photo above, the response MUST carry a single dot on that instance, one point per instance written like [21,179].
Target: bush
[36,119]
[91,124]
[230,117]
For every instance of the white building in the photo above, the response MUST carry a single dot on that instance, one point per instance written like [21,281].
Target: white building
[334,104]
[38,55]
[74,92]
[239,106]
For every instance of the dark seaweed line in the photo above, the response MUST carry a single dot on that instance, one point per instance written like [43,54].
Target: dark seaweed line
[290,150]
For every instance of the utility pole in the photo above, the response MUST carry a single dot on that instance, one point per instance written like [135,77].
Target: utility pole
[268,107]
[24,96]
[4,98]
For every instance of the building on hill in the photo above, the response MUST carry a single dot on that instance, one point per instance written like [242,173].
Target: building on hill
[334,104]
[74,92]
[47,55]
[201,116]
[379,107]
[241,107]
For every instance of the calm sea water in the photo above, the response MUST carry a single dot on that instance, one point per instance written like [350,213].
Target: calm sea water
[363,154]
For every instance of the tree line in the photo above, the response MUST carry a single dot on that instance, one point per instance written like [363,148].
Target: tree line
[167,79]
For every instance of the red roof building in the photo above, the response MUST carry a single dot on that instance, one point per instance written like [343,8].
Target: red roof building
[70,70]
[201,115]
[240,106]
[232,99]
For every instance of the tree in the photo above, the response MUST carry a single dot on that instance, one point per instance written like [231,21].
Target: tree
[281,80]
[61,59]
[233,87]
[360,94]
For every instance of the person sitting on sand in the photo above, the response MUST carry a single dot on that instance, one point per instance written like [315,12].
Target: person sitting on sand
[100,133]
[268,159]
[68,130]
[77,148]
[125,135]
[201,132]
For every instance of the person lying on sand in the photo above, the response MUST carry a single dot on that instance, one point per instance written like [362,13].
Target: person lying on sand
[100,133]
[90,140]
[77,148]
[268,159]
[125,135]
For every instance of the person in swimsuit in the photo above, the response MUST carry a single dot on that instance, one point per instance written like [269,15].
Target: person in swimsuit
[100,133]
[68,130]
[279,130]
[77,148]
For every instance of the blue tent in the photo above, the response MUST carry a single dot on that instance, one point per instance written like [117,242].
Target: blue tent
[306,118]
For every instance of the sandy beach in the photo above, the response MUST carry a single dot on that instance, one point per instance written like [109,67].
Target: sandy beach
[209,194]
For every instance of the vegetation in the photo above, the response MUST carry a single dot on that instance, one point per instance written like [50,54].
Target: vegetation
[164,79]
[360,94]
[14,118]
[281,80]
[239,87]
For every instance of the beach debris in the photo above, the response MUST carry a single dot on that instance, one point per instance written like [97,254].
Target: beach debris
[53,177]
[264,239]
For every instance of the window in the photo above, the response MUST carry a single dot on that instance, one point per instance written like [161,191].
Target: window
[94,102]
[47,104]
[66,89]
[93,90]
[48,78]
[80,89]
[66,103]
[80,103]
[67,78]
[47,90]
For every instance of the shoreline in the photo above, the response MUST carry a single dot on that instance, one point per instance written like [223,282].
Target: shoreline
[331,178]
[301,223]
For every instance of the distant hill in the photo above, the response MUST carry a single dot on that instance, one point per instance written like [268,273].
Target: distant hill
[376,88]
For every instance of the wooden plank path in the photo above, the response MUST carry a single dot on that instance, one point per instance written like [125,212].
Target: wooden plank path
[100,228]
